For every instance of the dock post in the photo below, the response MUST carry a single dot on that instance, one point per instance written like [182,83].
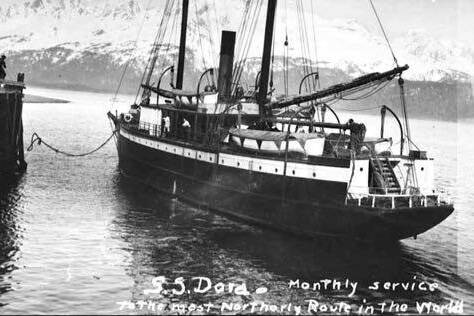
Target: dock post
[12,156]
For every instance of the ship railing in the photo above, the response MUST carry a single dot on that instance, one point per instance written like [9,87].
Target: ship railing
[159,131]
[398,200]
[147,129]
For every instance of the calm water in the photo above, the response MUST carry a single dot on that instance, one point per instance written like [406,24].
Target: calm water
[77,237]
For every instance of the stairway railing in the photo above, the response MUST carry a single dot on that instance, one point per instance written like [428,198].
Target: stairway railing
[378,166]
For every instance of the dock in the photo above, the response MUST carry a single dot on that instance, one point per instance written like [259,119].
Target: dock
[12,156]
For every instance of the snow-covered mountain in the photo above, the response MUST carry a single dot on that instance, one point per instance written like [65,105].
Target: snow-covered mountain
[66,39]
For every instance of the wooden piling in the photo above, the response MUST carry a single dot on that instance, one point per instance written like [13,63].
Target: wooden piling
[12,156]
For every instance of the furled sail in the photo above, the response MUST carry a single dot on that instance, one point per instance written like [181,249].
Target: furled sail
[340,90]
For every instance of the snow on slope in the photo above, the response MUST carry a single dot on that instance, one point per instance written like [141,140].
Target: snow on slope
[110,27]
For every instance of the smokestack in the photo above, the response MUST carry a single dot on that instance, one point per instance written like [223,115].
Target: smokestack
[226,65]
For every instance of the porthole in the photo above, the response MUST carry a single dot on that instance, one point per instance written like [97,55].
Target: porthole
[314,174]
[422,168]
[199,156]
[189,154]
[260,168]
[238,164]
[294,172]
[210,158]
[222,160]
[361,169]
[276,170]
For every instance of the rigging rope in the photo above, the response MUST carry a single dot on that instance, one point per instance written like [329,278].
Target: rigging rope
[213,36]
[377,88]
[362,109]
[156,45]
[311,83]
[36,139]
[304,42]
[127,64]
[384,34]
[248,30]
[246,39]
[171,39]
[285,52]
[200,42]
[286,65]
[315,42]
[272,66]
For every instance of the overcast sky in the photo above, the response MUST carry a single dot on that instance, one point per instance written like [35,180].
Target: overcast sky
[448,19]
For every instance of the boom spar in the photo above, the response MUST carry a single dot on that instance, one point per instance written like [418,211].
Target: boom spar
[336,91]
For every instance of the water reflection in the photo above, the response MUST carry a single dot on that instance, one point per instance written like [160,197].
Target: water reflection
[175,240]
[10,228]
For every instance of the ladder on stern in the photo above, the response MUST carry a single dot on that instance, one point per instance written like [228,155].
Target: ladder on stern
[384,176]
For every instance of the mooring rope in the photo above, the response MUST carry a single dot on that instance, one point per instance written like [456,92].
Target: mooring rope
[36,139]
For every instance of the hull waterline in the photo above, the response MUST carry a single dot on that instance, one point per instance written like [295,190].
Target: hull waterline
[239,195]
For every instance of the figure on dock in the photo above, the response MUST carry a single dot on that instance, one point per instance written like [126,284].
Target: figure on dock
[3,67]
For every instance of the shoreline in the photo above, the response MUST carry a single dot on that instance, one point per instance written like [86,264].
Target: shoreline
[31,98]
[38,99]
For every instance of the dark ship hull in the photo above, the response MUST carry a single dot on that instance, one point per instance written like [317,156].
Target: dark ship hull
[240,152]
[303,207]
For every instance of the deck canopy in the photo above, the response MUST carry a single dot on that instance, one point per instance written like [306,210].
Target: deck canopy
[271,135]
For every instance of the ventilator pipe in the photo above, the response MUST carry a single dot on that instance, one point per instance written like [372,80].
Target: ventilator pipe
[211,71]
[316,74]
[382,112]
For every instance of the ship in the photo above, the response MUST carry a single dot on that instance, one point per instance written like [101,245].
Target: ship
[277,162]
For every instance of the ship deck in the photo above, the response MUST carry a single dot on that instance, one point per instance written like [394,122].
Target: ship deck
[231,149]
[398,200]
[380,200]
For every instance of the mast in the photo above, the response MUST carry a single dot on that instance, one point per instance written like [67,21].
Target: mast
[182,45]
[266,58]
